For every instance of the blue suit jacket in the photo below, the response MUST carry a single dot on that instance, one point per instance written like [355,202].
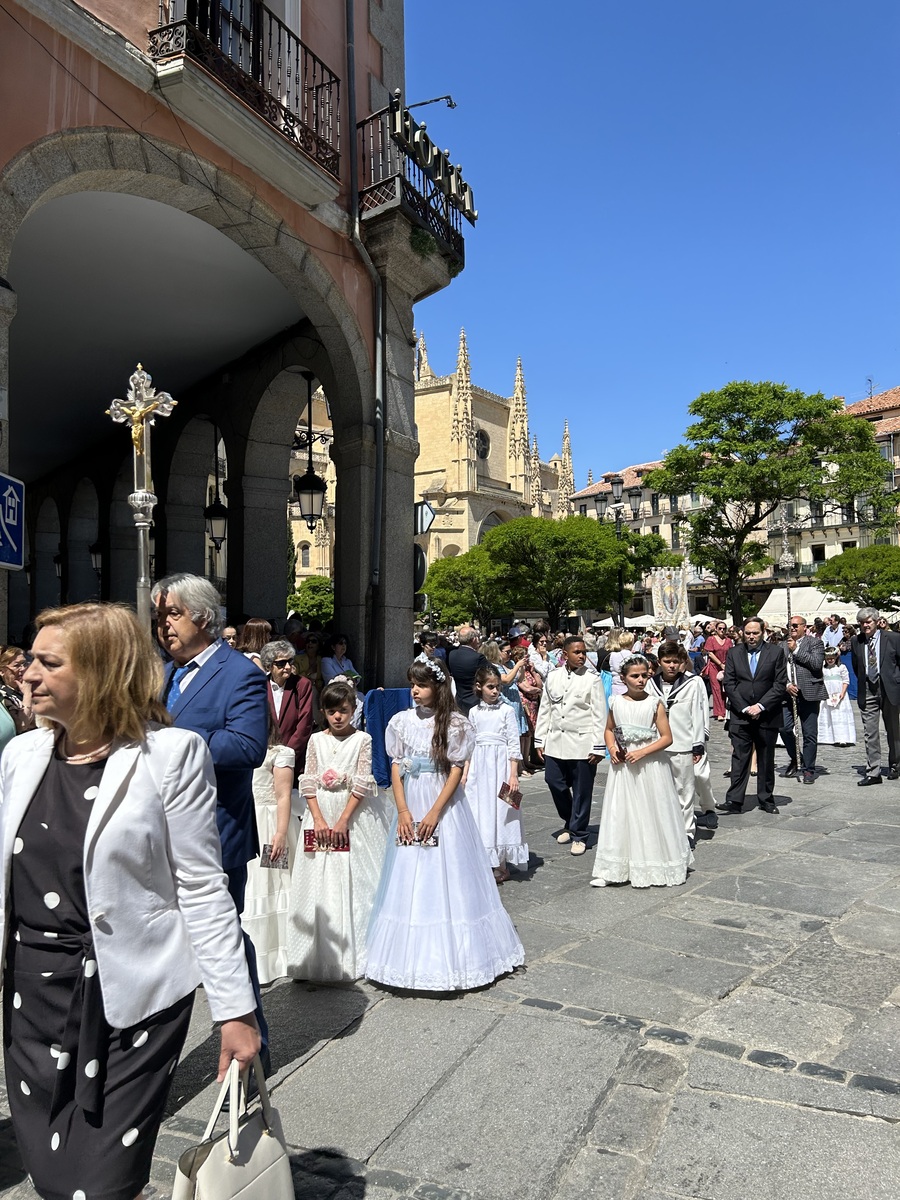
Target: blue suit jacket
[227,705]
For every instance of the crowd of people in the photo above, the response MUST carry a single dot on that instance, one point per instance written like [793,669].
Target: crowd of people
[209,811]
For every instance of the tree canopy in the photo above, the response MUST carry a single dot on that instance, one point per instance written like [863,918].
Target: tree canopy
[869,575]
[313,600]
[752,447]
[535,563]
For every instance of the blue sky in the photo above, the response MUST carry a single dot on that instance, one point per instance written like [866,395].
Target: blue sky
[672,194]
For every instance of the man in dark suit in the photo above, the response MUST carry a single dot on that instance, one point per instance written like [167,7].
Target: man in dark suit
[755,684]
[463,661]
[290,700]
[218,693]
[805,657]
[875,655]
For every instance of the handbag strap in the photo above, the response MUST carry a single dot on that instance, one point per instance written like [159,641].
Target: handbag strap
[234,1086]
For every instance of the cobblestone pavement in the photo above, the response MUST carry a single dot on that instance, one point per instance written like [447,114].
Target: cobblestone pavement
[738,1035]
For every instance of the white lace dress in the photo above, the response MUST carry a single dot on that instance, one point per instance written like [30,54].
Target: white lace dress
[642,836]
[836,724]
[332,890]
[266,898]
[496,744]
[438,923]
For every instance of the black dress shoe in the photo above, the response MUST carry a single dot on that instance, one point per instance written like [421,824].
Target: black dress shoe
[769,807]
[809,777]
[732,810]
[894,773]
[868,780]
[790,772]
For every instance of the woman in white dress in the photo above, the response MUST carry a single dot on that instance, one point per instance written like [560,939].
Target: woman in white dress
[438,924]
[495,762]
[267,896]
[642,837]
[333,884]
[836,724]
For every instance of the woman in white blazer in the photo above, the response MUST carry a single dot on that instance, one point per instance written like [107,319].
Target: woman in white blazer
[115,908]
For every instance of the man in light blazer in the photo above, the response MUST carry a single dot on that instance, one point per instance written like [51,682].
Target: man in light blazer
[755,684]
[568,736]
[875,655]
[218,693]
[805,658]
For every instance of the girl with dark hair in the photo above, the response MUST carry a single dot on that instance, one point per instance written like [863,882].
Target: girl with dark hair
[438,924]
[252,637]
[493,773]
[345,829]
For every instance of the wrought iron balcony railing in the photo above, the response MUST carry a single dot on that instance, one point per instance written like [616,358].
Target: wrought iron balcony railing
[261,62]
[391,178]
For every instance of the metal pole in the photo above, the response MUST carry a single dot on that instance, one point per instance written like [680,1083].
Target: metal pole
[621,573]
[144,405]
[787,562]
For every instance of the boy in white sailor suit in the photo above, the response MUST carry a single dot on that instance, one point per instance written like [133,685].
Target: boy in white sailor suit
[568,736]
[687,705]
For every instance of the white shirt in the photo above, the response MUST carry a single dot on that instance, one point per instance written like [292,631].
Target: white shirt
[833,637]
[277,697]
[196,663]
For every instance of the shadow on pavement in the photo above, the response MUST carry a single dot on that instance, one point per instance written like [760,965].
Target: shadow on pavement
[323,1173]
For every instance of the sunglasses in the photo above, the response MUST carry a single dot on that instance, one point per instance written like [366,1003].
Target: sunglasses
[282,662]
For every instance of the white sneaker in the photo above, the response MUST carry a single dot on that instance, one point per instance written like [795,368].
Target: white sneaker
[578,848]
[564,837]
[598,883]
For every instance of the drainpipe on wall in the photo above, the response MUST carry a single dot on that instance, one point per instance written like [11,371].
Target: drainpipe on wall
[378,419]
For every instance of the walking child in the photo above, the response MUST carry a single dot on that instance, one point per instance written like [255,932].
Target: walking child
[342,843]
[687,708]
[494,769]
[438,924]
[641,837]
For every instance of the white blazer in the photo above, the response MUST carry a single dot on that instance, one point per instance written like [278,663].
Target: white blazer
[157,898]
[571,718]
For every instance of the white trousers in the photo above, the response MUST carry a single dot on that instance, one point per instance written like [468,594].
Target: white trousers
[692,782]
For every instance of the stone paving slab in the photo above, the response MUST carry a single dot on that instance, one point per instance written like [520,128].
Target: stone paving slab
[684,936]
[606,991]
[703,977]
[758,1016]
[554,1072]
[744,889]
[822,969]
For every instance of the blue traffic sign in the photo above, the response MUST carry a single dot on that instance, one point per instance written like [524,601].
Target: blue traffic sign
[12,523]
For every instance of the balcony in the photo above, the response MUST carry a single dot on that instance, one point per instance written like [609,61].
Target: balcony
[391,177]
[253,54]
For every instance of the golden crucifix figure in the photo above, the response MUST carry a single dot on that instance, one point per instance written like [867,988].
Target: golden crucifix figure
[146,403]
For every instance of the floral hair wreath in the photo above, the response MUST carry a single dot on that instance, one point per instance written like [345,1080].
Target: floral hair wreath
[431,665]
[641,659]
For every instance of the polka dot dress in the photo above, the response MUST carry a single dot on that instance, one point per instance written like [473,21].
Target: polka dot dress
[86,1100]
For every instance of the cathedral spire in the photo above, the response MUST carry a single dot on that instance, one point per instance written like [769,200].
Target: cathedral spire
[590,476]
[463,426]
[566,485]
[423,367]
[537,490]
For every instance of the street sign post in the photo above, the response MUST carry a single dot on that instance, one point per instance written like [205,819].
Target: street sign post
[12,523]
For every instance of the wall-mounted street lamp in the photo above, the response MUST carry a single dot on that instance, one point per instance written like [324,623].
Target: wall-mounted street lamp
[309,490]
[216,513]
[57,565]
[96,559]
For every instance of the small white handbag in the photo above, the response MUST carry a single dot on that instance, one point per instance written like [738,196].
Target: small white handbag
[249,1161]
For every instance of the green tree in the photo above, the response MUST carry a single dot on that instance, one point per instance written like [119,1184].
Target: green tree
[314,599]
[291,564]
[865,576]
[753,446]
[466,587]
[557,566]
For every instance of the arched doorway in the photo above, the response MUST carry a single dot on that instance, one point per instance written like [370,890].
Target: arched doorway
[46,556]
[82,534]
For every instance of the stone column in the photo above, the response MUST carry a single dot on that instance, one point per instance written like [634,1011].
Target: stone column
[265,545]
[8,302]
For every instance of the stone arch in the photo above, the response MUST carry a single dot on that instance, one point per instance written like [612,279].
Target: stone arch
[186,497]
[140,165]
[450,551]
[83,530]
[46,547]
[491,521]
[304,555]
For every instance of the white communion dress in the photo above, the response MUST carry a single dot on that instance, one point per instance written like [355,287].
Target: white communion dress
[438,923]
[266,899]
[642,838]
[836,724]
[332,890]
[496,743]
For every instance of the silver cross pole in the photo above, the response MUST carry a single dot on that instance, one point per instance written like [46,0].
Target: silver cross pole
[143,406]
[787,562]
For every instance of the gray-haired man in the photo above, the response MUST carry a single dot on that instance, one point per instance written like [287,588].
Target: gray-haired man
[875,655]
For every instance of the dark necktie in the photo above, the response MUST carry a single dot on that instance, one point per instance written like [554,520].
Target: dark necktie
[175,687]
[872,666]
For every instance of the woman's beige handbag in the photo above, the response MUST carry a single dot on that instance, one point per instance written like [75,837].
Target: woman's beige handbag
[249,1161]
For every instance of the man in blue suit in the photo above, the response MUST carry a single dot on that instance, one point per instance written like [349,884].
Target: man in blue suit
[218,693]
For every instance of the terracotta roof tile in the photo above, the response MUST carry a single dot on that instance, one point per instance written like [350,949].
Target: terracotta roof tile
[886,425]
[875,404]
[630,478]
